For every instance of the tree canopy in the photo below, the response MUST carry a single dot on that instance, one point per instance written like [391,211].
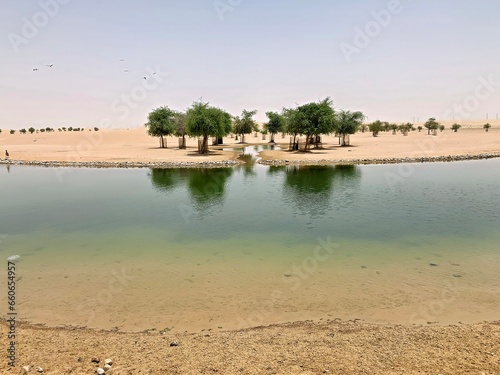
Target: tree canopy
[161,123]
[245,124]
[431,124]
[205,121]
[316,119]
[275,124]
[348,123]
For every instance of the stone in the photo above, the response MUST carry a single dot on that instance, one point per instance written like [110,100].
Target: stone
[107,367]
[175,343]
[108,361]
[27,368]
[95,360]
[100,371]
[39,369]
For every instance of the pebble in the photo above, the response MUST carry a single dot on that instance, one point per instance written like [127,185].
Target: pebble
[95,360]
[100,371]
[108,361]
[107,367]
[175,343]
[27,368]
[39,369]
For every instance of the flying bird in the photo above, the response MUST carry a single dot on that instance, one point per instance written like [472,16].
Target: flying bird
[35,69]
[125,71]
[144,77]
[122,60]
[50,65]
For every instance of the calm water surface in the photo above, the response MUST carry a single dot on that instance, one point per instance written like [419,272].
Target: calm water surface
[193,249]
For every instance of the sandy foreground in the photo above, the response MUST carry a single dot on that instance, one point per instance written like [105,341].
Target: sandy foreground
[135,145]
[329,347]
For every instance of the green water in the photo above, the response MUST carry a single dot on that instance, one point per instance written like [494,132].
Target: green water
[202,249]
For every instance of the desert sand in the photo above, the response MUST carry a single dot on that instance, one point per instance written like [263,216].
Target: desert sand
[135,145]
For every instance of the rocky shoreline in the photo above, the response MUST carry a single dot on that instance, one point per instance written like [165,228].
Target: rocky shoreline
[122,164]
[432,159]
[231,163]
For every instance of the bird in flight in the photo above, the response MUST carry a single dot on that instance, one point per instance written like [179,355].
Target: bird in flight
[125,71]
[122,59]
[35,69]
[144,77]
[50,65]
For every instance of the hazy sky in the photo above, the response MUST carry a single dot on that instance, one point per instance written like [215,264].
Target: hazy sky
[422,58]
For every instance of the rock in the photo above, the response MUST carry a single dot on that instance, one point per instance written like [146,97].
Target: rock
[27,368]
[100,371]
[175,343]
[95,360]
[433,264]
[39,369]
[107,367]
[108,361]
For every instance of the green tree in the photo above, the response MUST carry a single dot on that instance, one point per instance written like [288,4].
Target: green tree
[376,127]
[394,128]
[486,127]
[419,128]
[22,131]
[441,128]
[431,124]
[348,122]
[275,124]
[245,124]
[180,127]
[293,120]
[363,128]
[455,127]
[205,121]
[317,118]
[161,123]
[12,131]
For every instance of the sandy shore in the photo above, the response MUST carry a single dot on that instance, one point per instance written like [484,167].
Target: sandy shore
[329,347]
[135,146]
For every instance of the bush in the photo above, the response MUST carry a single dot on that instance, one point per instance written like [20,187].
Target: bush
[455,127]
[31,130]
[12,131]
[22,131]
[96,129]
[42,130]
[70,129]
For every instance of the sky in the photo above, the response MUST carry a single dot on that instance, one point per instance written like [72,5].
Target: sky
[394,60]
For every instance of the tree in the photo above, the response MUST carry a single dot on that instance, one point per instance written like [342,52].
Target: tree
[293,119]
[486,127]
[180,127]
[394,128]
[12,131]
[205,121]
[245,124]
[455,127]
[275,124]
[161,123]
[22,131]
[431,124]
[441,128]
[316,119]
[348,122]
[419,128]
[96,129]
[376,127]
[363,128]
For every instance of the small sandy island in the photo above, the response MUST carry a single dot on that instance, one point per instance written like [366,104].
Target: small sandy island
[135,146]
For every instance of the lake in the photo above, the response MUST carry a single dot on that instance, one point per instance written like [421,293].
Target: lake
[212,249]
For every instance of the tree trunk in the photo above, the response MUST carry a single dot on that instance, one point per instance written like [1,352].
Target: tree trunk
[272,138]
[162,142]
